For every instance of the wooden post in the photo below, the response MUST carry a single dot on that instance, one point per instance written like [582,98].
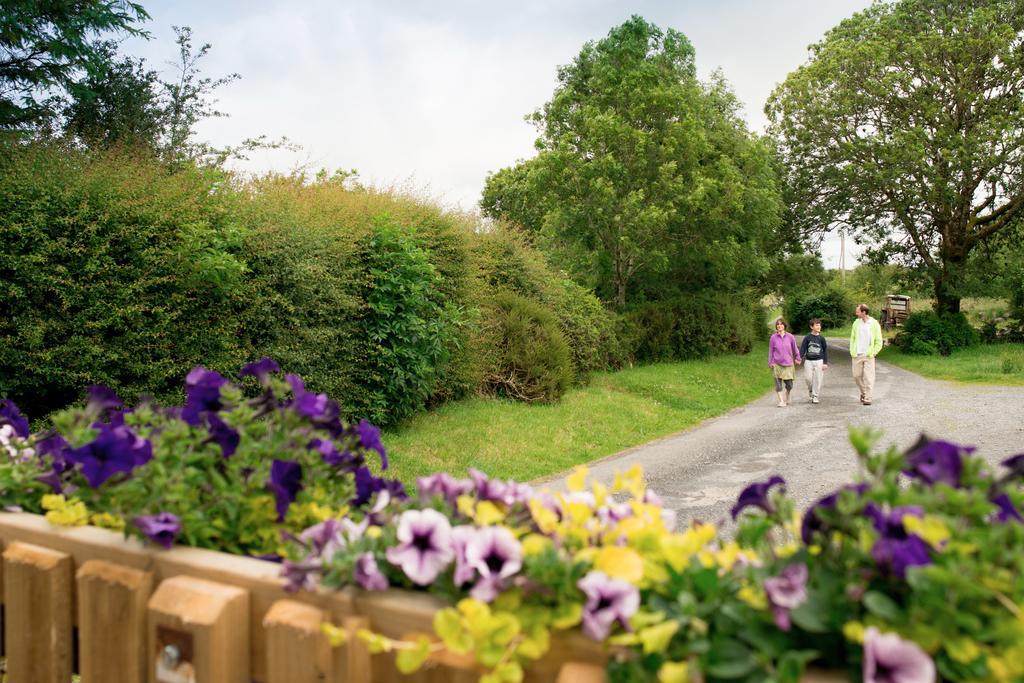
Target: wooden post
[112,622]
[297,651]
[581,672]
[198,632]
[37,614]
[351,661]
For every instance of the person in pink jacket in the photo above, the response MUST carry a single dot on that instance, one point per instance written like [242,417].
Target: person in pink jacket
[783,357]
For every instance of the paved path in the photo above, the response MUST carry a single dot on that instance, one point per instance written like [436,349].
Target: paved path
[700,472]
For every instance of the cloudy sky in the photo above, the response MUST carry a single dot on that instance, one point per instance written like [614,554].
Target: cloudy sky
[431,95]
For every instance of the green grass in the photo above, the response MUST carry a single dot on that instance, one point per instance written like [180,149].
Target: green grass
[984,364]
[615,411]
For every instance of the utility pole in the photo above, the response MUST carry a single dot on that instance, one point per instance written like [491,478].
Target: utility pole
[842,255]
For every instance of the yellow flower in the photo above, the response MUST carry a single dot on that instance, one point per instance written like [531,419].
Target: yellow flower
[620,563]
[753,597]
[931,528]
[727,556]
[108,521]
[963,650]
[674,672]
[679,548]
[545,518]
[600,493]
[466,505]
[854,632]
[373,531]
[53,501]
[535,544]
[488,514]
[632,481]
[73,513]
[787,549]
[577,481]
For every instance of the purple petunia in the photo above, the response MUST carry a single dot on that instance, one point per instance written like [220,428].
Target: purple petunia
[367,574]
[935,462]
[756,495]
[223,434]
[285,483]
[1015,464]
[260,369]
[786,591]
[367,484]
[102,400]
[1006,509]
[492,553]
[326,539]
[316,407]
[344,461]
[369,439]
[162,528]
[115,449]
[425,545]
[10,415]
[609,601]
[896,549]
[444,485]
[890,659]
[202,394]
[813,523]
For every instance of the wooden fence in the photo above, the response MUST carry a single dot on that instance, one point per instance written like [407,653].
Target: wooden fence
[86,600]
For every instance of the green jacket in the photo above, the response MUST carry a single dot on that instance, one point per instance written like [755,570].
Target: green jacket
[876,338]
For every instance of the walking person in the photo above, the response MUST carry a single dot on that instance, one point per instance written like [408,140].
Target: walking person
[814,350]
[783,357]
[865,343]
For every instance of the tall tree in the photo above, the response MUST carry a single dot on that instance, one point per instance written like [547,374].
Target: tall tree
[47,44]
[638,163]
[906,127]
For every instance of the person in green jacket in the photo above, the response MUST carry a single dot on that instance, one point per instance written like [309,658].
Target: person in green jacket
[865,343]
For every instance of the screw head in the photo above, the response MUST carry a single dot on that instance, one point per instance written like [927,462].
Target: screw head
[170,656]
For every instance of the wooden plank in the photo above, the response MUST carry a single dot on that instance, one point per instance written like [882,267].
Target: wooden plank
[352,662]
[37,607]
[207,623]
[112,622]
[297,650]
[581,672]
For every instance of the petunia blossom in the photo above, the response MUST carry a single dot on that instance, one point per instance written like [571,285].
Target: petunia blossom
[425,545]
[316,407]
[786,591]
[101,400]
[756,495]
[609,601]
[812,522]
[223,434]
[285,483]
[161,528]
[367,574]
[369,439]
[343,461]
[9,414]
[326,539]
[935,462]
[1006,509]
[367,484]
[890,659]
[260,369]
[495,554]
[202,394]
[896,549]
[115,449]
[444,485]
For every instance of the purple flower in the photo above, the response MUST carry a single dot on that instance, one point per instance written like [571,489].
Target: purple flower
[326,539]
[608,601]
[202,394]
[162,528]
[756,495]
[115,449]
[55,447]
[10,415]
[461,536]
[367,484]
[425,545]
[1007,510]
[813,523]
[368,575]
[285,483]
[896,549]
[786,591]
[345,461]
[260,369]
[1016,466]
[890,659]
[316,407]
[936,462]
[369,439]
[223,434]
[495,555]
[102,400]
[488,489]
[299,575]
[444,485]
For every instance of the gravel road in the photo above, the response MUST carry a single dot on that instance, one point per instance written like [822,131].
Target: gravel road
[699,472]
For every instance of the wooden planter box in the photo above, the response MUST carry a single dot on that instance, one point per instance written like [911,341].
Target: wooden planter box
[134,613]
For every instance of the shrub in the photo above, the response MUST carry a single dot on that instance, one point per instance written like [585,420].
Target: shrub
[1012,362]
[530,358]
[696,326]
[113,271]
[831,305]
[946,332]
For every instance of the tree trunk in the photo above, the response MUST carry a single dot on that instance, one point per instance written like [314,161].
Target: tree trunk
[947,299]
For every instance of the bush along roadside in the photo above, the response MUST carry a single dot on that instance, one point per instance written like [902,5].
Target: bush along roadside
[913,571]
[929,333]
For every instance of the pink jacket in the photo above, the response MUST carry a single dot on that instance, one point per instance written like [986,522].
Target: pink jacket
[783,350]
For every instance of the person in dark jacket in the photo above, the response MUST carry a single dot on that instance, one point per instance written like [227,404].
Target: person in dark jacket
[814,350]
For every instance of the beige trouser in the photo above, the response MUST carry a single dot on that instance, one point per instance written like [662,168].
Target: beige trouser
[864,376]
[814,375]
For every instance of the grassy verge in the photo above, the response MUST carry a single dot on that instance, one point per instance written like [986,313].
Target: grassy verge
[985,364]
[615,411]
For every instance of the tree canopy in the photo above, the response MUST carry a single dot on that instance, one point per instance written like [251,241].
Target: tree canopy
[906,127]
[45,45]
[644,176]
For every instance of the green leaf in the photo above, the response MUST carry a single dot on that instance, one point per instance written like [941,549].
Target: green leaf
[882,606]
[409,660]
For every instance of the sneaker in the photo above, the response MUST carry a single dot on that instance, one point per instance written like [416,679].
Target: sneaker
[781,404]
[867,403]
[815,400]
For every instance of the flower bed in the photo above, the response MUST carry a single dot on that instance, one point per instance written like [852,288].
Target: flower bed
[913,572]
